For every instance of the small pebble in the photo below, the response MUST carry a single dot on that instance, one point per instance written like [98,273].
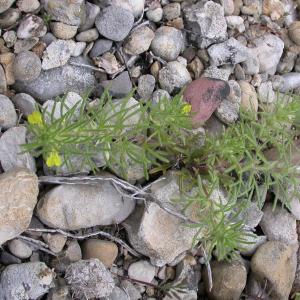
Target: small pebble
[25,103]
[31,26]
[142,270]
[19,248]
[63,31]
[146,85]
[28,6]
[8,116]
[87,36]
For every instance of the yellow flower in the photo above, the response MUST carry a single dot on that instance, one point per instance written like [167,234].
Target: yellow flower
[53,160]
[35,118]
[187,108]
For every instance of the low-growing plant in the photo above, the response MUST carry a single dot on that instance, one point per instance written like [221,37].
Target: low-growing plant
[258,153]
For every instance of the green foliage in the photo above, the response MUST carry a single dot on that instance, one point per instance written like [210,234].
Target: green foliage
[249,158]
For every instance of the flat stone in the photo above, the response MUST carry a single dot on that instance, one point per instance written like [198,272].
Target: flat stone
[146,85]
[207,22]
[9,17]
[118,87]
[229,52]
[291,82]
[274,266]
[253,242]
[18,197]
[25,45]
[141,270]
[168,42]
[294,32]
[63,31]
[205,95]
[20,249]
[100,47]
[114,23]
[26,281]
[92,11]
[89,279]
[71,13]
[28,6]
[25,103]
[92,206]
[8,116]
[87,36]
[266,93]
[10,150]
[217,73]
[278,225]
[249,99]
[54,82]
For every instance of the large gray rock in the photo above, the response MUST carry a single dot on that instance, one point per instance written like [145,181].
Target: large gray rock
[114,23]
[291,82]
[269,49]
[89,279]
[229,52]
[18,197]
[31,26]
[173,77]
[10,150]
[5,5]
[8,116]
[274,266]
[74,207]
[26,281]
[57,81]
[66,11]
[278,225]
[154,232]
[207,22]
[25,103]
[168,42]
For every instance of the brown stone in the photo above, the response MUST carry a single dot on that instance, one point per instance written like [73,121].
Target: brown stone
[105,251]
[7,59]
[205,95]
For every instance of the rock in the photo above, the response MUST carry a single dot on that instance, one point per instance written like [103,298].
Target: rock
[3,84]
[287,62]
[167,43]
[10,38]
[28,6]
[196,67]
[273,8]
[63,31]
[205,95]
[20,186]
[10,150]
[118,87]
[146,86]
[294,32]
[56,242]
[114,23]
[207,22]
[278,225]
[217,73]
[87,36]
[235,23]
[155,14]
[131,290]
[173,77]
[7,259]
[139,41]
[142,270]
[265,93]
[57,54]
[159,94]
[118,294]
[54,82]
[277,82]
[156,233]
[291,82]
[19,248]
[229,52]
[27,66]
[249,97]
[25,45]
[253,242]
[89,279]
[251,215]
[25,103]
[229,280]
[103,205]
[100,47]
[9,17]
[274,266]
[31,26]
[26,281]
[269,49]
[79,48]
[105,251]
[8,116]
[253,7]
[5,5]
[92,11]
[171,11]
[251,65]
[60,292]
[71,13]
